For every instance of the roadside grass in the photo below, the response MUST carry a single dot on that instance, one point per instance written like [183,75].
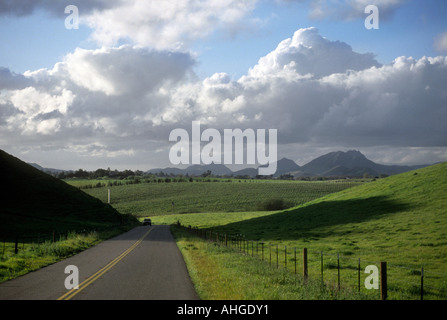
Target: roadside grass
[33,256]
[219,273]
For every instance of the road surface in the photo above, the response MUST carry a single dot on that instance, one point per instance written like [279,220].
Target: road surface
[142,264]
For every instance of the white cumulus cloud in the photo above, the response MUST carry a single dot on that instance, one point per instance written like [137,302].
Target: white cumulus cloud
[123,102]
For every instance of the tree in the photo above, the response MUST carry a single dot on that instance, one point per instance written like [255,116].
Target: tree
[207,173]
[81,174]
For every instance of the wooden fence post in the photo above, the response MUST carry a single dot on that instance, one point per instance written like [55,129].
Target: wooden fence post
[16,248]
[338,270]
[295,258]
[262,249]
[277,259]
[422,283]
[305,274]
[383,281]
[358,275]
[322,276]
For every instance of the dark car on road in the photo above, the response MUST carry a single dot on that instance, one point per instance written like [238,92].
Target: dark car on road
[147,222]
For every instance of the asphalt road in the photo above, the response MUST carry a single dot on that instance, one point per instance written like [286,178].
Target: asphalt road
[142,264]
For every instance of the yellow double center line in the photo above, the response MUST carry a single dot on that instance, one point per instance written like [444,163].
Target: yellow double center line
[70,294]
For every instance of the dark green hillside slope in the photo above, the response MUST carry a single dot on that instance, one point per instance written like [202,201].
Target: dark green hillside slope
[33,202]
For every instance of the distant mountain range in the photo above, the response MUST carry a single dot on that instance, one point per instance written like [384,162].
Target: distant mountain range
[335,164]
[351,163]
[196,170]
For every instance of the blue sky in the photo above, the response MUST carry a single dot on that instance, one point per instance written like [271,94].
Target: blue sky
[40,40]
[109,93]
[409,32]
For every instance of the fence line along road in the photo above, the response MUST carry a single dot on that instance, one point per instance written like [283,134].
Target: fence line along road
[277,256]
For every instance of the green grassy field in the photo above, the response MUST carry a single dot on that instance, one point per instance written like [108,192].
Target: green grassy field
[401,220]
[152,199]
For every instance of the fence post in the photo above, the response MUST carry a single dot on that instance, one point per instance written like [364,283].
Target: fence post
[383,281]
[422,283]
[305,263]
[358,275]
[277,259]
[338,270]
[322,278]
[295,258]
[262,249]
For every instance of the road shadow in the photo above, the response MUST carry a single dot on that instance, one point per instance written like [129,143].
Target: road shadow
[315,220]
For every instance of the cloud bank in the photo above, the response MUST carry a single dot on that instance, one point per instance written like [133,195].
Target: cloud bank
[120,102]
[112,102]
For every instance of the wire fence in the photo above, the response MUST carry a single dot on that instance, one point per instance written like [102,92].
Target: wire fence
[393,281]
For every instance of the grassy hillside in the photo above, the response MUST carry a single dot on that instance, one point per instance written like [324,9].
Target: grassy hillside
[33,202]
[401,219]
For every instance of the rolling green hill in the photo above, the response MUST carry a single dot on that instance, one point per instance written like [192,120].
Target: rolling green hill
[409,207]
[33,202]
[401,219]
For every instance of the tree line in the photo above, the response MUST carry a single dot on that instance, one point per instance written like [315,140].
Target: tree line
[98,174]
